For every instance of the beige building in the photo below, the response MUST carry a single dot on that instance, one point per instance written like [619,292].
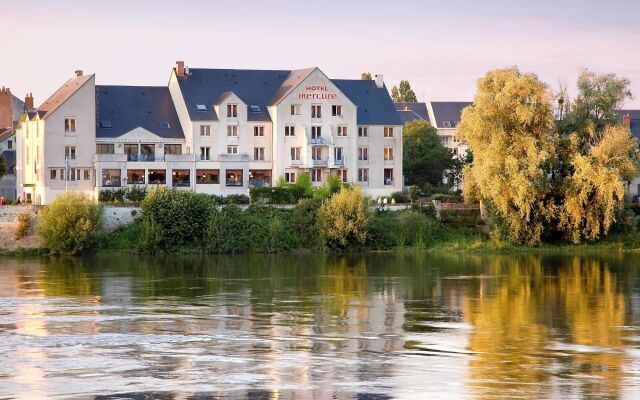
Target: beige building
[212,131]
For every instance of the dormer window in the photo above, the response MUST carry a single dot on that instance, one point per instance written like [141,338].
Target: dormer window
[105,124]
[254,108]
[232,111]
[165,125]
[446,124]
[201,107]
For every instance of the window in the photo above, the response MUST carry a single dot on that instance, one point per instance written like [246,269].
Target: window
[181,178]
[201,107]
[135,176]
[363,131]
[72,174]
[289,130]
[234,177]
[70,152]
[388,131]
[232,130]
[87,174]
[106,124]
[208,176]
[316,153]
[165,125]
[336,111]
[205,153]
[258,153]
[69,125]
[104,148]
[290,177]
[388,176]
[157,176]
[316,111]
[258,131]
[363,153]
[172,149]
[342,175]
[316,132]
[259,177]
[342,130]
[61,174]
[295,109]
[232,111]
[9,144]
[110,177]
[446,124]
[316,175]
[388,153]
[147,152]
[205,130]
[254,109]
[363,174]
[131,150]
[53,174]
[232,149]
[337,154]
[455,151]
[295,153]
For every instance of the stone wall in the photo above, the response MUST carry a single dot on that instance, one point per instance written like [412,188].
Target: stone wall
[115,217]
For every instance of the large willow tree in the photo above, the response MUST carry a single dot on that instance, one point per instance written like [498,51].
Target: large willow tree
[541,174]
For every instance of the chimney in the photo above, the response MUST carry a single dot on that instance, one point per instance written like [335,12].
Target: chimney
[6,108]
[379,81]
[78,72]
[626,120]
[180,71]
[28,101]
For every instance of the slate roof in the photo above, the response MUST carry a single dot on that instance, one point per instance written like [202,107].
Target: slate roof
[62,94]
[128,107]
[413,110]
[635,120]
[268,87]
[448,111]
[374,104]
[10,157]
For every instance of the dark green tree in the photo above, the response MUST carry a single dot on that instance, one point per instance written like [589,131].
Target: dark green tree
[3,167]
[366,76]
[403,94]
[425,159]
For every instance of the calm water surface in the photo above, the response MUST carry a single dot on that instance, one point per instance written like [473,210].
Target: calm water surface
[320,327]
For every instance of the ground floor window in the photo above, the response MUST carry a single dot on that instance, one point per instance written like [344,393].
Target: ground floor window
[388,176]
[316,175]
[234,177]
[110,177]
[259,177]
[157,176]
[363,174]
[172,149]
[87,174]
[181,177]
[290,177]
[342,175]
[208,176]
[53,173]
[135,176]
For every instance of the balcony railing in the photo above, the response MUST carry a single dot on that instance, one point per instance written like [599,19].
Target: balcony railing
[319,141]
[144,157]
[320,163]
[110,157]
[178,157]
[235,157]
[259,183]
[338,162]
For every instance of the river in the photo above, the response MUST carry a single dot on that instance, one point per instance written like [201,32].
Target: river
[380,326]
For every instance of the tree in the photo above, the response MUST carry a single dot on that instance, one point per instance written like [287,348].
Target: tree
[343,219]
[507,128]
[404,94]
[424,158]
[366,76]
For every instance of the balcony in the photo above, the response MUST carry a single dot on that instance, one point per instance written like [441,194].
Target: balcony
[295,163]
[319,141]
[388,161]
[110,157]
[235,157]
[338,162]
[144,157]
[320,163]
[178,157]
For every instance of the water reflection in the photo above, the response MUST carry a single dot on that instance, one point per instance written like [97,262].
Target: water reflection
[353,327]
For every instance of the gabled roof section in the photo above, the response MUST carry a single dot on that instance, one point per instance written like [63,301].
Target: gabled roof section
[205,86]
[634,115]
[224,96]
[408,116]
[295,78]
[62,94]
[124,108]
[374,104]
[419,109]
[258,116]
[448,111]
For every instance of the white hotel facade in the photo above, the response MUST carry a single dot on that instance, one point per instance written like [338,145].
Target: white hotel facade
[212,131]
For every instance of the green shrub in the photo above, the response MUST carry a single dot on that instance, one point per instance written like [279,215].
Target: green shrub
[239,199]
[343,219]
[133,194]
[226,231]
[181,216]
[400,197]
[24,222]
[415,192]
[304,184]
[136,194]
[401,229]
[464,217]
[150,239]
[70,224]
[333,184]
[304,221]
[447,198]
[272,195]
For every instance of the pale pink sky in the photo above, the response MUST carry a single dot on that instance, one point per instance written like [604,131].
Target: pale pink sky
[441,47]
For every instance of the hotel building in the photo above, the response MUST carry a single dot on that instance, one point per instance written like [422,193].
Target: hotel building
[212,131]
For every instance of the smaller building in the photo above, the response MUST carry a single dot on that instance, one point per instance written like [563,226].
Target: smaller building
[11,109]
[631,119]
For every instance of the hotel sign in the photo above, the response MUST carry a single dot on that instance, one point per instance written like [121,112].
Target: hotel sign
[317,93]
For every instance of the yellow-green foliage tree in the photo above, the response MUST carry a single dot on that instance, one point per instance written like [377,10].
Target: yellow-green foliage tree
[69,224]
[343,219]
[507,129]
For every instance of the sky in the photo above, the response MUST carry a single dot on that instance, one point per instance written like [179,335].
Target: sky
[440,47]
